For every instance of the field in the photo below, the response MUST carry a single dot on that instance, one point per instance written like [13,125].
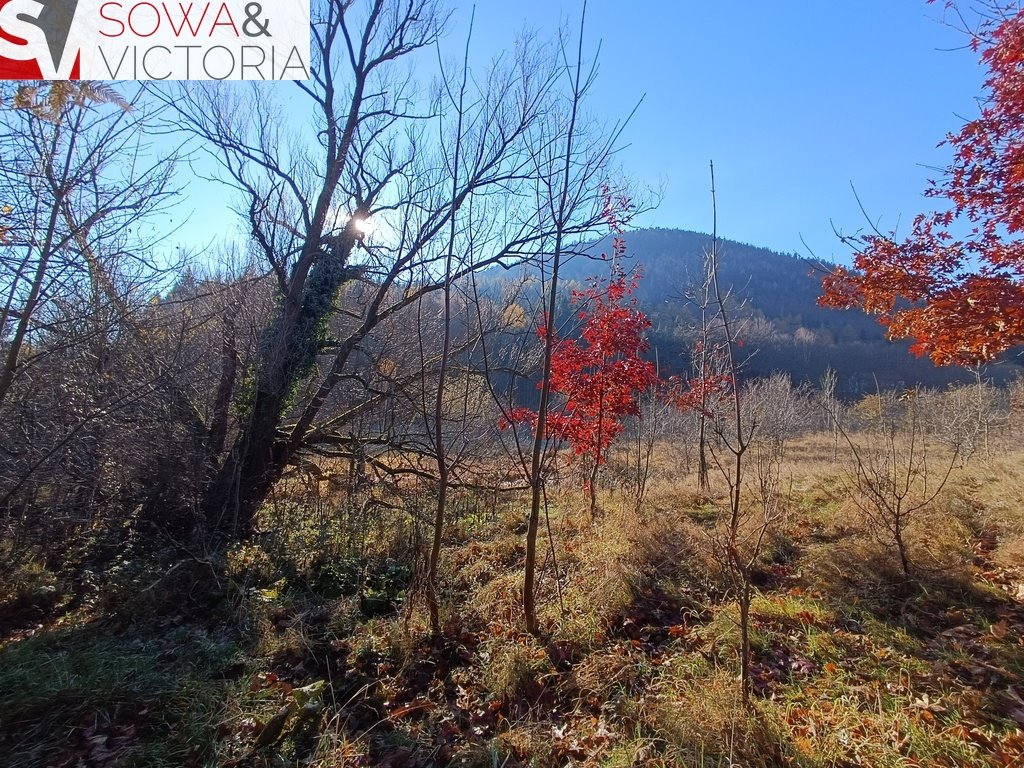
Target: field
[310,645]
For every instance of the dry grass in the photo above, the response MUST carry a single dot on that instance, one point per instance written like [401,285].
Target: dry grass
[853,665]
[701,721]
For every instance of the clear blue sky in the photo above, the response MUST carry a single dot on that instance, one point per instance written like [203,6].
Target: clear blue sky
[793,100]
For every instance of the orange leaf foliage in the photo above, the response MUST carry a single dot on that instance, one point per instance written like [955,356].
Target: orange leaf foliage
[955,285]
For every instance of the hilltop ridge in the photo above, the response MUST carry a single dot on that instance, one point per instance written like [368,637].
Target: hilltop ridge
[776,294]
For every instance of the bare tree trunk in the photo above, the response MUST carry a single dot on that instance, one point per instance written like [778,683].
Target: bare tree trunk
[440,454]
[59,178]
[539,440]
[596,468]
[228,376]
[703,482]
[562,212]
[901,546]
[745,596]
[739,561]
[646,437]
[704,298]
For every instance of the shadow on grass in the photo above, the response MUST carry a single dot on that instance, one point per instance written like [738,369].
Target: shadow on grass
[126,667]
[959,624]
[87,696]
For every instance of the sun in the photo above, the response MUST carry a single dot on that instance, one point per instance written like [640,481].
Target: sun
[364,226]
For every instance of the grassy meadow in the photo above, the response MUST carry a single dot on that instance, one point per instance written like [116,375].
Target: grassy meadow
[309,645]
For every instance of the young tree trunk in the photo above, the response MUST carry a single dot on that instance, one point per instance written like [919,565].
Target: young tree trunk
[563,209]
[704,299]
[59,181]
[228,376]
[740,562]
[901,545]
[440,449]
[537,452]
[702,455]
[595,470]
[745,596]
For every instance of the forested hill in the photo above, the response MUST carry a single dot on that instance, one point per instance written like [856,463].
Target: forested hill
[784,327]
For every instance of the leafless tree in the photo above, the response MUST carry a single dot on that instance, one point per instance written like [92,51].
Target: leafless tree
[80,339]
[750,515]
[779,411]
[367,158]
[831,405]
[571,160]
[456,96]
[893,474]
[647,428]
[703,364]
[75,179]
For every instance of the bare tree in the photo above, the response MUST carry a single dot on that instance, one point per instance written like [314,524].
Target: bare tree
[648,426]
[457,100]
[80,339]
[571,160]
[749,516]
[703,363]
[893,477]
[780,411]
[831,405]
[366,160]
[74,179]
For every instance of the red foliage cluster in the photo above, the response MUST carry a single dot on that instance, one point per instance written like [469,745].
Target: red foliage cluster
[956,284]
[518,416]
[600,373]
[697,394]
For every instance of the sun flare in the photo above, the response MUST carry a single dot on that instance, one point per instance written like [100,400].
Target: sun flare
[364,226]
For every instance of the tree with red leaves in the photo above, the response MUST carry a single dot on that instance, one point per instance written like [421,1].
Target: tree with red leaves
[955,285]
[600,374]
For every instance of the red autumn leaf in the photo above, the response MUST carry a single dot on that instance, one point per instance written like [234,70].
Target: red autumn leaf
[955,284]
[599,374]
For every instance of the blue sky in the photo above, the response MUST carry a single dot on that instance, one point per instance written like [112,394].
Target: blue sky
[795,101]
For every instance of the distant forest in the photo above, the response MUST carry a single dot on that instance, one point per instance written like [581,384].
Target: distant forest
[784,328]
